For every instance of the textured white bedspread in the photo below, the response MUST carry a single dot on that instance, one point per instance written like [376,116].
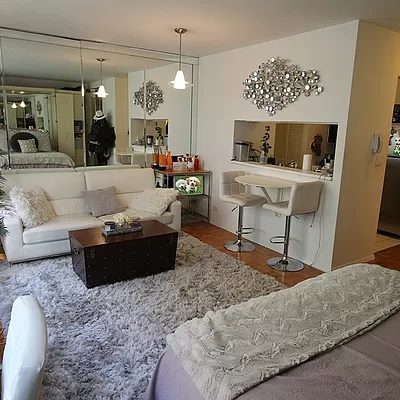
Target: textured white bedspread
[40,159]
[229,351]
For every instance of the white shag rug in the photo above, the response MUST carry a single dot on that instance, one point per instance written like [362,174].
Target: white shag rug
[104,342]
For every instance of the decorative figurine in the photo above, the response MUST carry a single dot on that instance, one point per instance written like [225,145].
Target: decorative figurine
[265,146]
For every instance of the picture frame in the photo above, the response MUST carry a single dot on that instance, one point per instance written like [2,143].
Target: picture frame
[189,185]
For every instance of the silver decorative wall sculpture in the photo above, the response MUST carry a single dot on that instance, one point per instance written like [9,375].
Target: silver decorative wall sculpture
[277,83]
[154,97]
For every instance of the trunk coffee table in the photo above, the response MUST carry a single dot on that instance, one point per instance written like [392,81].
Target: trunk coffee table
[99,260]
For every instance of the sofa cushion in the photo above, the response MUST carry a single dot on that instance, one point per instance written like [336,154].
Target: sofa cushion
[154,200]
[31,206]
[129,180]
[61,185]
[57,228]
[165,218]
[103,201]
[70,206]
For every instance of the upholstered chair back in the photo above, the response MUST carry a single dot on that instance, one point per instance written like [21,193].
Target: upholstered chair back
[304,198]
[227,184]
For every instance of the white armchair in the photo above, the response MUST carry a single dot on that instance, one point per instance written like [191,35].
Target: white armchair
[25,351]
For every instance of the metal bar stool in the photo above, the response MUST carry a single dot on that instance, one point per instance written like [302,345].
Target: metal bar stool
[303,199]
[235,193]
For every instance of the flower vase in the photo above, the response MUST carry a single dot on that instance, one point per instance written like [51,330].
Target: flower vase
[263,157]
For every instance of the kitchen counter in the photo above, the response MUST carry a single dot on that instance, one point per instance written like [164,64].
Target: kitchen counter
[291,173]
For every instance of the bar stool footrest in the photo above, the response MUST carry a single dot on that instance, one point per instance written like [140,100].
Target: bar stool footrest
[246,231]
[279,239]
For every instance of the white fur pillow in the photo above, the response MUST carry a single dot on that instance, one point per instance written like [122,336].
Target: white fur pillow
[154,200]
[31,206]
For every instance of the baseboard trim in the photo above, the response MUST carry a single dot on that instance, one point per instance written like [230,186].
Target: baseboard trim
[358,261]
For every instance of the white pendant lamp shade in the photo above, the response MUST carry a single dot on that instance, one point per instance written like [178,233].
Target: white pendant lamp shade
[101,91]
[14,105]
[180,82]
[22,104]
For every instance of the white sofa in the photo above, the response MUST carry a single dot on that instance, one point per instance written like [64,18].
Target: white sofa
[65,189]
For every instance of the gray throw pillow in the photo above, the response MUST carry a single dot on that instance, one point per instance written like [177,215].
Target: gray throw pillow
[28,146]
[103,201]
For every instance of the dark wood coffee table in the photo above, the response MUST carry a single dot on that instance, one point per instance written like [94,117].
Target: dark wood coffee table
[99,260]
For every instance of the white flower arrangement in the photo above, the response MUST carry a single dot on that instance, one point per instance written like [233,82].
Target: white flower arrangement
[122,219]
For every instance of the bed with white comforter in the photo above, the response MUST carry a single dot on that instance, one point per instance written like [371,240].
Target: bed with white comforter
[45,157]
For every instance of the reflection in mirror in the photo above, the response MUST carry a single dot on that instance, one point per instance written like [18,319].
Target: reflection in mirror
[156,132]
[176,106]
[308,146]
[43,102]
[140,106]
[76,101]
[107,118]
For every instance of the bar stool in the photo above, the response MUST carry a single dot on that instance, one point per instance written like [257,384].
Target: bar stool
[235,193]
[303,199]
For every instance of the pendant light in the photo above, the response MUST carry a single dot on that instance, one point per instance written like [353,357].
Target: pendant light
[22,104]
[14,105]
[180,82]
[101,91]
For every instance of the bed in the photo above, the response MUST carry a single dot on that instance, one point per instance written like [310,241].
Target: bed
[45,157]
[365,366]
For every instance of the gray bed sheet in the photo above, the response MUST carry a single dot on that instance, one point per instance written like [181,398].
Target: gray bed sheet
[366,368]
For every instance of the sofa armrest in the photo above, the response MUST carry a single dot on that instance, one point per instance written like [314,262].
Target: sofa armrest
[12,242]
[175,209]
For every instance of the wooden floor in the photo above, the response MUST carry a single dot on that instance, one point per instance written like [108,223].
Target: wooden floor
[216,237]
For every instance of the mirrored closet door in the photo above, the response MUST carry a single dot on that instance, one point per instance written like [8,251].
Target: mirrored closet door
[70,103]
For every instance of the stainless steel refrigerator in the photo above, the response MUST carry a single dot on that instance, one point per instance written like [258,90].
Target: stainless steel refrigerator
[389,217]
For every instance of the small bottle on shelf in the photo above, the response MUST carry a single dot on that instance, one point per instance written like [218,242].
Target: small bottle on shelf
[197,164]
[169,161]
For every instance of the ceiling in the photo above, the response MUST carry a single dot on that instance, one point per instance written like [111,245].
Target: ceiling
[59,66]
[213,26]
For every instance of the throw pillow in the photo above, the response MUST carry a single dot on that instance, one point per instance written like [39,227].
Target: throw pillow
[28,146]
[43,140]
[154,200]
[31,206]
[103,202]
[21,136]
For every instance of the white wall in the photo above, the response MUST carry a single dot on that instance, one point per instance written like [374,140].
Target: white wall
[331,52]
[376,71]
[176,107]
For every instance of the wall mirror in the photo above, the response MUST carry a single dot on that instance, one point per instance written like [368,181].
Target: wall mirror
[51,96]
[288,143]
[112,70]
[42,103]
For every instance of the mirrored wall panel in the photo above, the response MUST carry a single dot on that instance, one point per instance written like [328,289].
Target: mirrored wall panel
[71,103]
[106,77]
[43,103]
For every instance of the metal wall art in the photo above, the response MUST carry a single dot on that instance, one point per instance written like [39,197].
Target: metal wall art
[154,97]
[277,83]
